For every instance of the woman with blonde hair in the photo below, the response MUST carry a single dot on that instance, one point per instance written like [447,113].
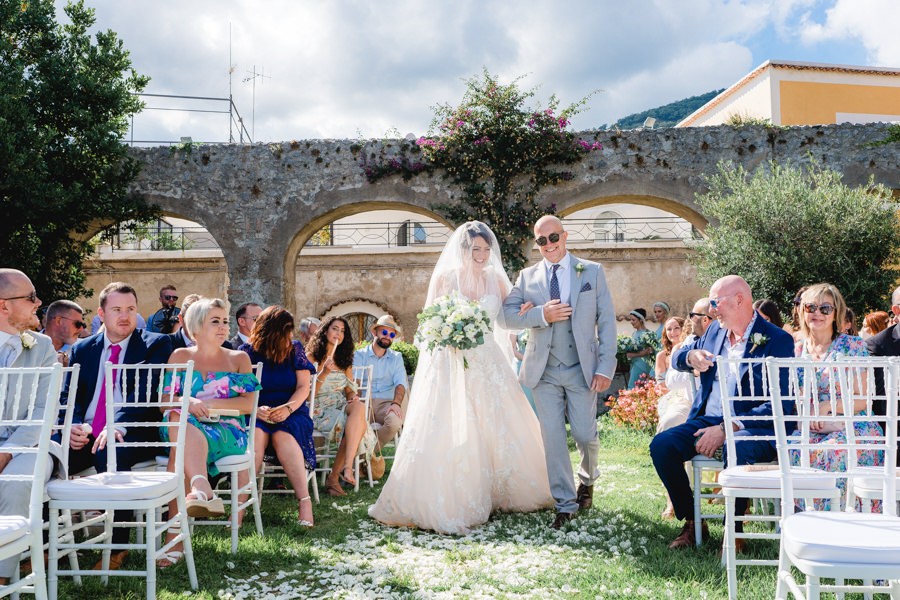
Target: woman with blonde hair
[222,379]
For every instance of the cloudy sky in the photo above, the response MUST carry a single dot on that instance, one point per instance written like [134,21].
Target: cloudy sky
[356,68]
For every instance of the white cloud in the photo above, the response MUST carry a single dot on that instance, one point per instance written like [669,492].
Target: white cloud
[345,67]
[872,22]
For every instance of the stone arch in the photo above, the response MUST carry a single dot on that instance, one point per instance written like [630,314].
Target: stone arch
[676,197]
[311,225]
[365,306]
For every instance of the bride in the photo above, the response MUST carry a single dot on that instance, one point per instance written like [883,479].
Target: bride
[471,443]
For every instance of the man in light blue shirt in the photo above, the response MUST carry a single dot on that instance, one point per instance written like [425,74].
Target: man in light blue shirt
[389,382]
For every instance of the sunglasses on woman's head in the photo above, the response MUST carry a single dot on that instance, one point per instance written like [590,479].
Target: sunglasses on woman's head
[825,309]
[542,241]
[389,334]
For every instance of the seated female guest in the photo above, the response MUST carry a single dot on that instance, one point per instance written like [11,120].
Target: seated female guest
[338,413]
[221,380]
[768,310]
[874,322]
[823,310]
[283,414]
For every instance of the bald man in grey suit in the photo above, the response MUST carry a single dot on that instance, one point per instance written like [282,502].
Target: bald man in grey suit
[570,356]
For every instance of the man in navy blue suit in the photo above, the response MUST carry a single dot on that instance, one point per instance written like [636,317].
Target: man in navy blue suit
[122,343]
[731,303]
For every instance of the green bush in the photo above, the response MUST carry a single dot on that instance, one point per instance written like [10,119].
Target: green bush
[784,227]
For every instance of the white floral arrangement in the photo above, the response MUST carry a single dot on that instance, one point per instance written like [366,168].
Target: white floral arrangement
[453,321]
[28,340]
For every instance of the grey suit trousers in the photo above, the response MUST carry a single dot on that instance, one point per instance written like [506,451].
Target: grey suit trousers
[560,395]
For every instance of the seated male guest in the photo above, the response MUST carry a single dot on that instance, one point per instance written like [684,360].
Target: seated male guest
[180,337]
[122,343]
[20,347]
[389,382]
[246,316]
[731,303]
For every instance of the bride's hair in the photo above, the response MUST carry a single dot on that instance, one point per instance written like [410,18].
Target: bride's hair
[472,230]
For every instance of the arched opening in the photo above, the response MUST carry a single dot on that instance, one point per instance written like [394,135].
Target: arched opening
[376,255]
[360,314]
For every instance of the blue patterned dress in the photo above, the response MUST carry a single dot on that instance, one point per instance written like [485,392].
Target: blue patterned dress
[228,436]
[279,382]
[836,460]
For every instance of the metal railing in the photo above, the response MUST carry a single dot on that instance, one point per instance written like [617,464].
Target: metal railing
[157,237]
[162,237]
[613,230]
[235,121]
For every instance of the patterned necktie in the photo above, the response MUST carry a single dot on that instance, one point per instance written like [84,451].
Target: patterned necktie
[100,415]
[554,284]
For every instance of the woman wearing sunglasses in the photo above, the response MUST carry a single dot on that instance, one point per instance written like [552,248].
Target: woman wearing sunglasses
[822,308]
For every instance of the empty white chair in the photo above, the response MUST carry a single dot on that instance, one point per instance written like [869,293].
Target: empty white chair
[833,544]
[143,492]
[29,398]
[755,480]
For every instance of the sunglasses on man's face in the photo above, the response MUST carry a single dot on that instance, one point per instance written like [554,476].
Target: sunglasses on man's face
[32,297]
[825,309]
[389,334]
[693,314]
[78,324]
[170,298]
[553,238]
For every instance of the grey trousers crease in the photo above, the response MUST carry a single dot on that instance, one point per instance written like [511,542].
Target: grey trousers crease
[560,395]
[15,496]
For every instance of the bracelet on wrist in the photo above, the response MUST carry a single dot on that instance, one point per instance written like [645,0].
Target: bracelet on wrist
[290,410]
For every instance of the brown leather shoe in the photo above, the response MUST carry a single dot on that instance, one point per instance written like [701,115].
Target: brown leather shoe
[116,560]
[584,496]
[561,519]
[685,539]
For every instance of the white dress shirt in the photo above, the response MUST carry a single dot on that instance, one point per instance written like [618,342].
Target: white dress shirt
[101,374]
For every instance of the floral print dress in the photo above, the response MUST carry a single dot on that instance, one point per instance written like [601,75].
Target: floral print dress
[836,460]
[227,436]
[329,414]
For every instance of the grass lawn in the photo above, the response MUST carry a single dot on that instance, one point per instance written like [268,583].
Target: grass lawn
[617,549]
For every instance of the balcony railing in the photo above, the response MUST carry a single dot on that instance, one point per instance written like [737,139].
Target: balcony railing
[404,234]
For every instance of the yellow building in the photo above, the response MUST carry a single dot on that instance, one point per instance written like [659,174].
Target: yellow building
[797,93]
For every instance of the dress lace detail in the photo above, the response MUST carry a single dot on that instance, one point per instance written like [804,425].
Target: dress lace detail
[471,443]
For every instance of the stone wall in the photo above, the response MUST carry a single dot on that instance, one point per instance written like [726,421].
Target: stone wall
[262,202]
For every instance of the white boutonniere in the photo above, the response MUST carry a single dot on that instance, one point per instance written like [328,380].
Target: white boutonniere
[579,268]
[28,340]
[759,340]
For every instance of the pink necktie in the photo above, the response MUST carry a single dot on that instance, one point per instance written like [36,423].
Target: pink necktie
[100,415]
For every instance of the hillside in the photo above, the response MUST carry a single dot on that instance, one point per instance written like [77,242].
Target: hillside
[667,115]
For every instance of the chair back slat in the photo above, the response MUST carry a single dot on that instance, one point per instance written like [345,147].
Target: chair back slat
[136,393]
[738,398]
[827,396]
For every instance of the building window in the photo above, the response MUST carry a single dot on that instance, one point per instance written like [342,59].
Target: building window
[360,326]
[609,226]
[417,236]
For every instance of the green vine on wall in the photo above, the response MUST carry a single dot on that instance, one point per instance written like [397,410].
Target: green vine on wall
[500,153]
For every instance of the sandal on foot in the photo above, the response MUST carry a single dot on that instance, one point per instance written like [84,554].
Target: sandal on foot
[347,480]
[334,489]
[300,520]
[169,559]
[202,506]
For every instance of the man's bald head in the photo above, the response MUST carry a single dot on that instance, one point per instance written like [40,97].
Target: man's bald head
[734,303]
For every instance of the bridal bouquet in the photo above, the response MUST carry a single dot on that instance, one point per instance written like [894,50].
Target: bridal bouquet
[453,322]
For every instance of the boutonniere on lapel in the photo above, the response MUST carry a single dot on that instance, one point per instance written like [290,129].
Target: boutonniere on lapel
[28,340]
[579,268]
[759,340]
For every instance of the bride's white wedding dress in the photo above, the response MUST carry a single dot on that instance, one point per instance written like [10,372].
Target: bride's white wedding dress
[471,443]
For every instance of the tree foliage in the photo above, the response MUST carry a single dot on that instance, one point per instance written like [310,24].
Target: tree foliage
[65,99]
[667,115]
[501,153]
[784,227]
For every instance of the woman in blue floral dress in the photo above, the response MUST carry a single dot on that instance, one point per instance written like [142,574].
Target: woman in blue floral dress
[283,415]
[644,353]
[821,341]
[222,380]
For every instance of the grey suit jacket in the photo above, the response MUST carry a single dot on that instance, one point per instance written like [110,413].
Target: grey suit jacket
[42,354]
[593,320]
